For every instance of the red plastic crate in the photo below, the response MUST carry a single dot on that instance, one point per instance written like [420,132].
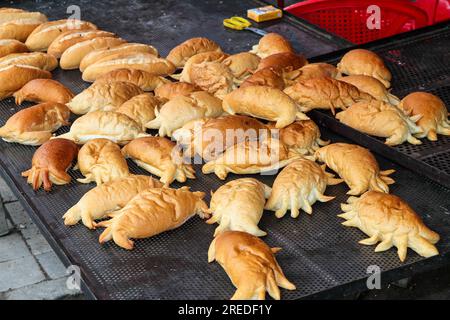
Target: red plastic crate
[348,18]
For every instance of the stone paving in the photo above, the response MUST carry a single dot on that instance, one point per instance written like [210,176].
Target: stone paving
[29,268]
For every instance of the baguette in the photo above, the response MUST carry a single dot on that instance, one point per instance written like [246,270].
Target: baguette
[140,61]
[71,58]
[14,77]
[39,60]
[43,90]
[106,53]
[19,29]
[9,46]
[43,36]
[144,80]
[11,14]
[70,38]
[182,52]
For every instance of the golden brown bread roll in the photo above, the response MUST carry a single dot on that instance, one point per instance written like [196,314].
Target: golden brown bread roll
[14,77]
[114,126]
[34,125]
[100,160]
[371,86]
[106,53]
[71,58]
[209,137]
[357,166]
[238,205]
[242,64]
[388,219]
[250,157]
[9,46]
[182,109]
[110,196]
[151,212]
[264,103]
[69,38]
[365,62]
[282,62]
[271,43]
[298,186]
[325,93]
[213,77]
[144,80]
[182,52]
[140,108]
[43,36]
[195,59]
[433,112]
[265,77]
[104,96]
[140,61]
[50,164]
[170,90]
[301,136]
[43,90]
[18,25]
[312,70]
[39,60]
[381,120]
[161,157]
[250,264]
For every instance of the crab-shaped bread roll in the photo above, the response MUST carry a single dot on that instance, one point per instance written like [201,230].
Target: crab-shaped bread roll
[298,186]
[388,219]
[433,112]
[250,264]
[371,86]
[357,166]
[238,205]
[383,120]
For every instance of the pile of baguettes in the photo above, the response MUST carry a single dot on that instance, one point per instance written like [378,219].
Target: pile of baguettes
[266,90]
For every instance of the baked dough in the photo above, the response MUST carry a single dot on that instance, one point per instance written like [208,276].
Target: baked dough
[388,219]
[264,103]
[100,160]
[161,157]
[43,90]
[209,137]
[313,70]
[198,58]
[265,77]
[238,205]
[9,46]
[170,90]
[103,96]
[325,93]
[182,52]
[242,64]
[433,112]
[18,24]
[140,108]
[372,86]
[144,80]
[182,109]
[298,186]
[34,125]
[365,62]
[39,60]
[114,126]
[50,164]
[151,212]
[14,77]
[250,264]
[301,136]
[250,157]
[271,43]
[213,77]
[283,62]
[357,166]
[381,120]
[110,196]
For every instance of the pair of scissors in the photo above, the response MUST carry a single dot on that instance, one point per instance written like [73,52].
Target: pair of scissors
[239,23]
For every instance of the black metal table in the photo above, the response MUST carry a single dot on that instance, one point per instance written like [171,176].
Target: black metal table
[319,255]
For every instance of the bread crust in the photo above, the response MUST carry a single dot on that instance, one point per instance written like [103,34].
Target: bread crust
[43,90]
[14,77]
[371,86]
[271,43]
[144,80]
[182,52]
[9,46]
[140,108]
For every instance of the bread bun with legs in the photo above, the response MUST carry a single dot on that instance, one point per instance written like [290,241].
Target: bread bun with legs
[371,86]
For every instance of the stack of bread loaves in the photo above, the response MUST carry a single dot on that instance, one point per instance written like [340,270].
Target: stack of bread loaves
[241,113]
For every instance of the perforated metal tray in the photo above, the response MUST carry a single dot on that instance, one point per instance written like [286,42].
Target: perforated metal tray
[419,62]
[319,255]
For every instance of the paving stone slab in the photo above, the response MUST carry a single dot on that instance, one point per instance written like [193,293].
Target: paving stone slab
[51,264]
[45,290]
[13,247]
[19,272]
